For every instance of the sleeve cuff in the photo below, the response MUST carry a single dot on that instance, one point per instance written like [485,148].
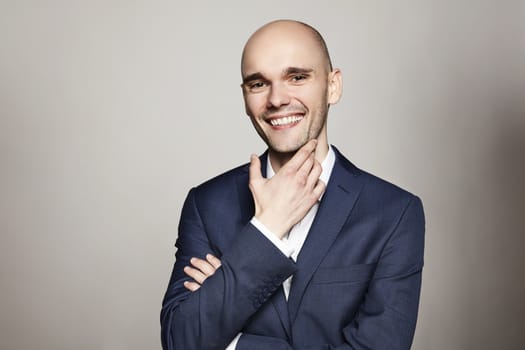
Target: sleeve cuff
[282,246]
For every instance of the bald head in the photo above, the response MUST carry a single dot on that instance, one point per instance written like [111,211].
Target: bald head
[284,31]
[288,85]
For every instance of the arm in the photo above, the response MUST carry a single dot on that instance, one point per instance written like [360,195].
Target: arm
[387,317]
[252,267]
[210,317]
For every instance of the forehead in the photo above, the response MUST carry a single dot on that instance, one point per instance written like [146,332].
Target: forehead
[272,50]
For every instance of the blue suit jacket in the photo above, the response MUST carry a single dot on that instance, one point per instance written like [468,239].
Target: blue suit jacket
[356,281]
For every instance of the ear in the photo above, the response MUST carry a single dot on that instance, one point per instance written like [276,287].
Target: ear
[335,86]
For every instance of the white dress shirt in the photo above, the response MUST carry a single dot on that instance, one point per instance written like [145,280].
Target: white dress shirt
[291,244]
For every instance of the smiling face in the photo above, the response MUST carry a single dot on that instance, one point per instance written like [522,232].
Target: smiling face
[288,86]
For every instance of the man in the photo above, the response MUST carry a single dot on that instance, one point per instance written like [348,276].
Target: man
[299,249]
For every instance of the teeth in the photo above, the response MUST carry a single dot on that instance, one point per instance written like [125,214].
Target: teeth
[285,120]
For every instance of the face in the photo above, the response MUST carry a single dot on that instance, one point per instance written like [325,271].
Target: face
[287,87]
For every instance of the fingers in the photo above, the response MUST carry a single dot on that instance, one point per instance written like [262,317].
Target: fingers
[301,161]
[195,274]
[314,173]
[200,271]
[319,189]
[301,155]
[283,200]
[305,169]
[191,286]
[216,263]
[203,266]
[255,168]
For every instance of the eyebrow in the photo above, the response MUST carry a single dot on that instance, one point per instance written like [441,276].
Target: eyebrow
[287,71]
[252,77]
[297,70]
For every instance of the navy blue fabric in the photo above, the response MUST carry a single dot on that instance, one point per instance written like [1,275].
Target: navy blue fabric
[356,281]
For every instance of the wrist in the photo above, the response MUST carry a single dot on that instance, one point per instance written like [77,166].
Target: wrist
[275,226]
[279,243]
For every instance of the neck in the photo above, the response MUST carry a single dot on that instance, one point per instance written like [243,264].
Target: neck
[278,159]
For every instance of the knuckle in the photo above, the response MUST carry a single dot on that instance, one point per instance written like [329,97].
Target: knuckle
[301,180]
[305,151]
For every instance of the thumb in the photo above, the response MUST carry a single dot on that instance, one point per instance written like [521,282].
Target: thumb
[255,168]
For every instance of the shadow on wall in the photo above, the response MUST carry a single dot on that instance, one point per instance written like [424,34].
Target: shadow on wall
[500,265]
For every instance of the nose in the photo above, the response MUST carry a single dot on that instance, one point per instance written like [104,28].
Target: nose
[277,96]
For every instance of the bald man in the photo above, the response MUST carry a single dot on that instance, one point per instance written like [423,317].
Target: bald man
[299,249]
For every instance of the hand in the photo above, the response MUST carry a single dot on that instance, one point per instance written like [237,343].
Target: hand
[200,271]
[283,200]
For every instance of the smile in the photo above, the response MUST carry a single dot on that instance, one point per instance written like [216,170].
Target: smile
[286,121]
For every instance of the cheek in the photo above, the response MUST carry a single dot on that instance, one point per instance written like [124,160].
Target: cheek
[314,97]
[255,105]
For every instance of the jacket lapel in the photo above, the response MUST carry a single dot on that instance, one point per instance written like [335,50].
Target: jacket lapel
[340,196]
[279,302]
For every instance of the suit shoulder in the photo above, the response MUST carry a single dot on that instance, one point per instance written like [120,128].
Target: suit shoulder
[378,184]
[377,187]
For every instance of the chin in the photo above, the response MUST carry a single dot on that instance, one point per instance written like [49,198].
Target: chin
[285,149]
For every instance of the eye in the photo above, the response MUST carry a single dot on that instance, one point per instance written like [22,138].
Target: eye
[256,85]
[297,78]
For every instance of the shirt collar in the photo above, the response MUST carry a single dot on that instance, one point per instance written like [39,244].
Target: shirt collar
[327,165]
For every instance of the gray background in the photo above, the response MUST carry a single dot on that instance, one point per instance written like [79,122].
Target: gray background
[111,110]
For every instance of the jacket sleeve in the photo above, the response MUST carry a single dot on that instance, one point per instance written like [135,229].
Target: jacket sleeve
[386,319]
[252,269]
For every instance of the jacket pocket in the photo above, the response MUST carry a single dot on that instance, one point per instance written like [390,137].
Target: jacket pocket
[348,274]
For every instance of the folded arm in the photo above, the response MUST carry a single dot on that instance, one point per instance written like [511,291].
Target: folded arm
[252,266]
[210,317]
